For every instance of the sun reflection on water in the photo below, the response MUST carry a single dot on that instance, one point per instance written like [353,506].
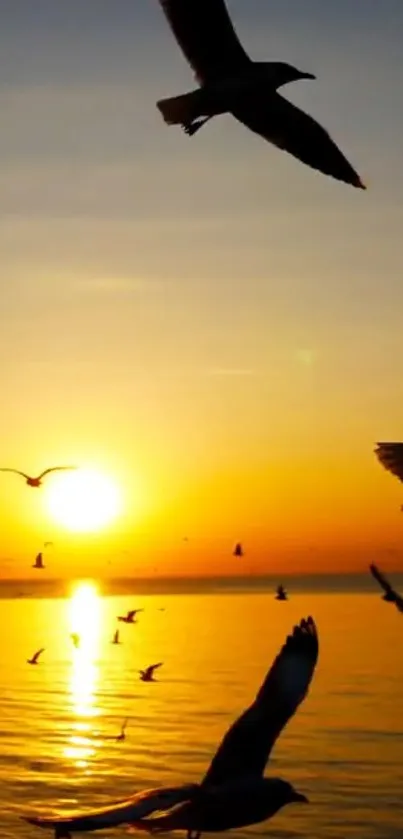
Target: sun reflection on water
[85,621]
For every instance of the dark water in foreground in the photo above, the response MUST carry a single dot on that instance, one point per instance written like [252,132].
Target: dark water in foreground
[344,748]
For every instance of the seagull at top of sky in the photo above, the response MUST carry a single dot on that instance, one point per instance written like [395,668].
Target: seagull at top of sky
[234,792]
[116,639]
[75,639]
[39,561]
[36,482]
[130,617]
[230,82]
[391,596]
[281,593]
[35,657]
[147,675]
[238,550]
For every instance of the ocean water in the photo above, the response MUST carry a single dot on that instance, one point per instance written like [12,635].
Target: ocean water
[343,748]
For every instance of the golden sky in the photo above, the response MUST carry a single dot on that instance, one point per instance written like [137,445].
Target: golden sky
[212,325]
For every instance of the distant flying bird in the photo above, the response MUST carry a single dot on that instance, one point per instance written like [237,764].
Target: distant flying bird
[39,561]
[230,82]
[233,793]
[391,596]
[36,482]
[130,617]
[75,639]
[122,735]
[147,675]
[238,550]
[390,455]
[35,657]
[115,639]
[47,544]
[281,593]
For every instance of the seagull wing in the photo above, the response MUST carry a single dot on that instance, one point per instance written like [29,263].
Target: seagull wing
[38,653]
[16,472]
[123,812]
[246,746]
[206,36]
[292,130]
[130,615]
[55,469]
[390,455]
[386,586]
[152,667]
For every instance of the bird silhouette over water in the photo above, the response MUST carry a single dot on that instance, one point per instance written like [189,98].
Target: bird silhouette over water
[281,593]
[391,596]
[116,639]
[130,617]
[147,675]
[238,550]
[234,792]
[230,82]
[39,561]
[37,482]
[35,657]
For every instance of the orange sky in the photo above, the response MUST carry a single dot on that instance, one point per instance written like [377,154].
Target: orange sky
[210,323]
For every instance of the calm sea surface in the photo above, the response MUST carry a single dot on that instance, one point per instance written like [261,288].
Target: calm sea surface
[343,748]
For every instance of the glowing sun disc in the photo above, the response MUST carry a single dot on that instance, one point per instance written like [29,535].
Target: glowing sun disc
[83,500]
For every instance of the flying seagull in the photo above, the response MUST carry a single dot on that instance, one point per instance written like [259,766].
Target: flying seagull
[36,482]
[130,617]
[35,657]
[122,735]
[116,639]
[147,675]
[391,596]
[281,593]
[39,561]
[238,550]
[233,793]
[230,82]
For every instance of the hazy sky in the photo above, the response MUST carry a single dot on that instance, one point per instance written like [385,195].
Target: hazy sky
[210,322]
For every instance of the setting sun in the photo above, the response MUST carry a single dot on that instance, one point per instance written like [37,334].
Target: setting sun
[84,500]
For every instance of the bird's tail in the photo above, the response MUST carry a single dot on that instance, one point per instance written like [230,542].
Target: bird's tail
[182,110]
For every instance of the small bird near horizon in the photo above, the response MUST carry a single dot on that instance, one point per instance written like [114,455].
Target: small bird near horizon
[147,675]
[234,792]
[116,638]
[130,617]
[281,593]
[231,83]
[238,550]
[39,561]
[391,596]
[35,657]
[37,482]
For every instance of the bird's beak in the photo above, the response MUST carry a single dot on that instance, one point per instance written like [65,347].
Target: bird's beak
[307,76]
[298,796]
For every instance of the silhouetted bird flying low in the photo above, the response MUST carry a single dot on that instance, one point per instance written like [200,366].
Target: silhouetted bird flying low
[391,596]
[130,617]
[233,793]
[147,675]
[238,550]
[35,657]
[122,735]
[36,482]
[230,82]
[390,455]
[38,561]
[116,639]
[281,593]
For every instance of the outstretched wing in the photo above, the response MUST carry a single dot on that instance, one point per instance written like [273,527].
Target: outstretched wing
[55,469]
[124,812]
[246,746]
[206,36]
[153,667]
[390,455]
[38,653]
[386,586]
[292,130]
[16,472]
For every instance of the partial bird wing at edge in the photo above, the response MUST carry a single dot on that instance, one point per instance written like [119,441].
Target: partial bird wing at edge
[246,746]
[123,812]
[390,456]
[16,472]
[292,130]
[154,667]
[55,469]
[386,586]
[206,36]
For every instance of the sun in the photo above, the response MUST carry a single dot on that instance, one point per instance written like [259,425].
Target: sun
[84,500]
